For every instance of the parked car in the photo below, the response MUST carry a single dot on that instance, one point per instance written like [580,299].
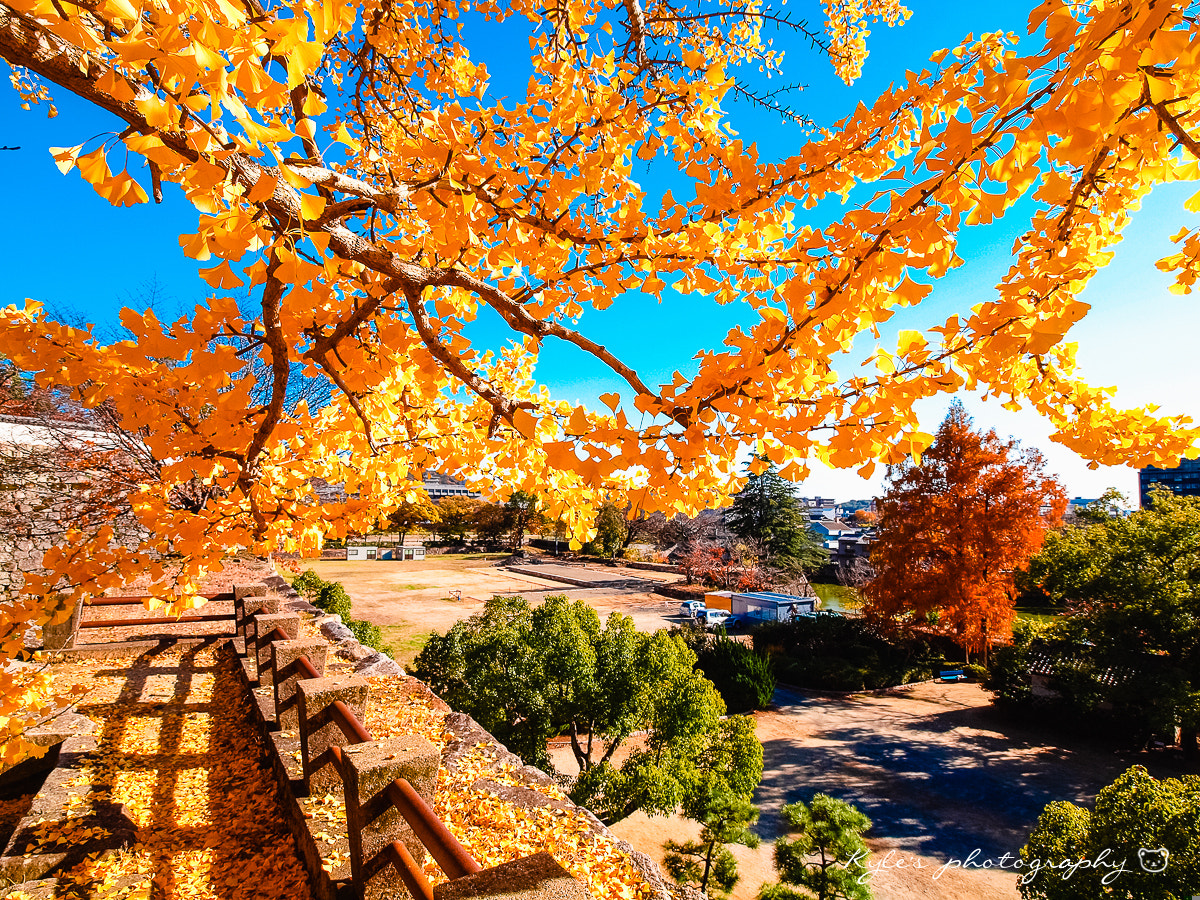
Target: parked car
[716,617]
[738,623]
[691,609]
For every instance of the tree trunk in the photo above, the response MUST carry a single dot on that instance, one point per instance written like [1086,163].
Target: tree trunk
[707,866]
[581,758]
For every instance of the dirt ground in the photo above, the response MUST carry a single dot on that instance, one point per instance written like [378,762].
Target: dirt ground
[411,599]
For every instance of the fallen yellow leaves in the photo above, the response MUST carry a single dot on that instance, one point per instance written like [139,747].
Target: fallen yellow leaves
[393,710]
[493,830]
[185,766]
[496,831]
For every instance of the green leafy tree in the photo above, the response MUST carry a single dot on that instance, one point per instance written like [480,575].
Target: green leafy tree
[1141,842]
[530,674]
[768,515]
[523,515]
[488,667]
[1008,669]
[1131,589]
[1107,506]
[456,517]
[744,678]
[611,530]
[826,858]
[707,862]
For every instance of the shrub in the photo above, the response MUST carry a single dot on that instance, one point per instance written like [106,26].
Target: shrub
[975,674]
[744,679]
[1008,675]
[829,652]
[365,633]
[308,583]
[332,598]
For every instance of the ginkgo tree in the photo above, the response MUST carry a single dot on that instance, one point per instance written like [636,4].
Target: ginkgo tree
[352,172]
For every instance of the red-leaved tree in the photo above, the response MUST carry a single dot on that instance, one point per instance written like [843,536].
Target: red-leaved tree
[953,528]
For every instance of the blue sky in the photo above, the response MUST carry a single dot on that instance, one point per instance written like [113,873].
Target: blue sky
[69,249]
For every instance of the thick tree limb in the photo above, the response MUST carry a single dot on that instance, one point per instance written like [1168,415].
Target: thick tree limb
[272,305]
[1177,129]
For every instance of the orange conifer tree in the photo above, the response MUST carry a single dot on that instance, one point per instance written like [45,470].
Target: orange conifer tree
[954,525]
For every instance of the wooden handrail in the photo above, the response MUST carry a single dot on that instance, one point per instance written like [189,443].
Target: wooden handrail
[162,620]
[443,846]
[414,878]
[432,832]
[452,856]
[345,719]
[139,599]
[307,669]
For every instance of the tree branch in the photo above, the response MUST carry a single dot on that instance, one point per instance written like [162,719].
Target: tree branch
[272,303]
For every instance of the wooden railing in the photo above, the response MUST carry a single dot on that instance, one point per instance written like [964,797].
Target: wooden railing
[383,809]
[450,855]
[62,635]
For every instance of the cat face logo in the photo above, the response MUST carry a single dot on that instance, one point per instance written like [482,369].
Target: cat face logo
[1153,861]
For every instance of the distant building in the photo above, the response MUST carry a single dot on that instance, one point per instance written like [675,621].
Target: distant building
[850,548]
[829,530]
[439,486]
[1184,479]
[820,507]
[762,606]
[383,551]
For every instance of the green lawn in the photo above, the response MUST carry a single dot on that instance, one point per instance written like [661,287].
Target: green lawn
[403,642]
[835,596]
[1040,614]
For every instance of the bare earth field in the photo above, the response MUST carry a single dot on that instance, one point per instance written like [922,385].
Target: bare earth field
[411,599]
[945,781]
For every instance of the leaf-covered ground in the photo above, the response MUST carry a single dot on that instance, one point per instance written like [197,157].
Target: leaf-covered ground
[176,749]
[186,769]
[496,830]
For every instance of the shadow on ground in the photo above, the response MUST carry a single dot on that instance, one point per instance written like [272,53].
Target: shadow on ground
[935,769]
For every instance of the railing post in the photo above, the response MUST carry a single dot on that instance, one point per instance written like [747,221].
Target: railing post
[264,624]
[372,823]
[537,877]
[285,674]
[247,600]
[318,731]
[61,635]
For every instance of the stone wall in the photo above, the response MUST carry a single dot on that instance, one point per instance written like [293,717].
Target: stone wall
[500,774]
[32,506]
[40,499]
